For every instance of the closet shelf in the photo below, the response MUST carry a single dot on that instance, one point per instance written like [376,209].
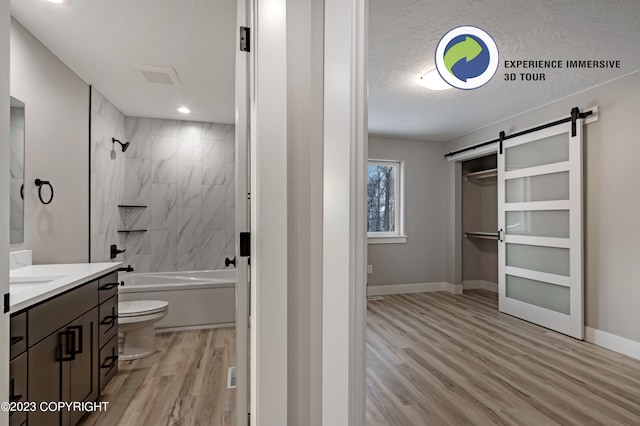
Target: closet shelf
[482,235]
[483,177]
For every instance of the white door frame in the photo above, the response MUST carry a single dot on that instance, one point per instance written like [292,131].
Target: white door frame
[242,218]
[344,213]
[4,203]
[268,148]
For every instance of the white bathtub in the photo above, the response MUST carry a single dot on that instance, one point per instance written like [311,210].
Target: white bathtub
[198,299]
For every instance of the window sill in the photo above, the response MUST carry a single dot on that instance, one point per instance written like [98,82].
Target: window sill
[396,239]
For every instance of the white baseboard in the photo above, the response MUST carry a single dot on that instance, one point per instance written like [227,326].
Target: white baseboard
[480,284]
[383,290]
[194,327]
[453,288]
[622,345]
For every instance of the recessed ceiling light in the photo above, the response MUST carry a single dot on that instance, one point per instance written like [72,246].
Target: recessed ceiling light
[59,1]
[184,110]
[432,80]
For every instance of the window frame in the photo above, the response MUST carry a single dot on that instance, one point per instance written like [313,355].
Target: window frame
[398,236]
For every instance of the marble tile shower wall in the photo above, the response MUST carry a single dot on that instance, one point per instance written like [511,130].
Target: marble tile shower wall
[107,176]
[184,173]
[16,170]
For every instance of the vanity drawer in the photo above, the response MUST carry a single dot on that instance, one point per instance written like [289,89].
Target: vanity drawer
[18,388]
[108,287]
[18,334]
[108,323]
[108,362]
[55,313]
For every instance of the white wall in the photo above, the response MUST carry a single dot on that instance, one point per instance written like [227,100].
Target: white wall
[56,149]
[611,203]
[304,210]
[422,258]
[4,201]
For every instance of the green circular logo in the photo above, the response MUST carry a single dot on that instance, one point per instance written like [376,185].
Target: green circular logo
[467,57]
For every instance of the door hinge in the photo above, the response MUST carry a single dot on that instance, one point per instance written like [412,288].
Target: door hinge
[245,244]
[245,39]
[7,304]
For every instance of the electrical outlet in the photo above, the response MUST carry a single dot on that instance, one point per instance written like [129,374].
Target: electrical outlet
[369,269]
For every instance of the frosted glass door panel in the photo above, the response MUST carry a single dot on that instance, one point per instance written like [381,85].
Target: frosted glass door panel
[550,187]
[551,260]
[539,223]
[540,213]
[554,149]
[538,293]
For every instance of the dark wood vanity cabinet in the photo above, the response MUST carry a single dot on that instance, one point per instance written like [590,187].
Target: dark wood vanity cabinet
[18,387]
[64,336]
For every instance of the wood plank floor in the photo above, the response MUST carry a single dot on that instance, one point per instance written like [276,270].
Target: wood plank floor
[183,383]
[432,359]
[441,359]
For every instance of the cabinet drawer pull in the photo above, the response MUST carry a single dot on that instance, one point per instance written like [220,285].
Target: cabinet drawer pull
[108,286]
[12,388]
[16,339]
[73,329]
[109,362]
[66,349]
[108,320]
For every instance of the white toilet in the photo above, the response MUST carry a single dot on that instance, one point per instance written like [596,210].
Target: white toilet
[136,327]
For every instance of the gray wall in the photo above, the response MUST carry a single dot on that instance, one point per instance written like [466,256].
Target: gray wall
[611,204]
[421,259]
[56,149]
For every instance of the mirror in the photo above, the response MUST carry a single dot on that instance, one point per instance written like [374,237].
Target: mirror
[16,170]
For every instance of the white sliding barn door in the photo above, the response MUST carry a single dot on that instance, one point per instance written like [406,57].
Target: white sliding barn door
[540,221]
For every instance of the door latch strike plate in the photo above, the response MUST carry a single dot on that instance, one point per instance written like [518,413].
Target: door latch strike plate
[245,244]
[245,39]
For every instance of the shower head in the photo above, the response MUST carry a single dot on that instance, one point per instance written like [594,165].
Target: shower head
[124,146]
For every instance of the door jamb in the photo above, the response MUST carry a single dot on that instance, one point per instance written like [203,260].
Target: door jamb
[344,213]
[4,204]
[243,93]
[268,170]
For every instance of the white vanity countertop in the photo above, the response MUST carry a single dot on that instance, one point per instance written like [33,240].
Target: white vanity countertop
[32,284]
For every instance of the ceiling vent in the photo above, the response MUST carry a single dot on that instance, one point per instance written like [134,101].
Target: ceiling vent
[159,75]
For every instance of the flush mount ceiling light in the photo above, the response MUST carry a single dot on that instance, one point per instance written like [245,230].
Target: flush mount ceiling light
[184,110]
[432,80]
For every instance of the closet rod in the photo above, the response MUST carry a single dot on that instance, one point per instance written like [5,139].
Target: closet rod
[575,114]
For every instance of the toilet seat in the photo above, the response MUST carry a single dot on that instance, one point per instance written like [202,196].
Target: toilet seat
[139,308]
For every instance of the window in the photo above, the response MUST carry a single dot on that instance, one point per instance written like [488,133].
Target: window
[385,202]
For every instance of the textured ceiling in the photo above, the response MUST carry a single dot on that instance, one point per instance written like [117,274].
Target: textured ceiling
[101,40]
[403,35]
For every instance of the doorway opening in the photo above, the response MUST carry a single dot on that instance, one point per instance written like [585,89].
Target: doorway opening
[165,164]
